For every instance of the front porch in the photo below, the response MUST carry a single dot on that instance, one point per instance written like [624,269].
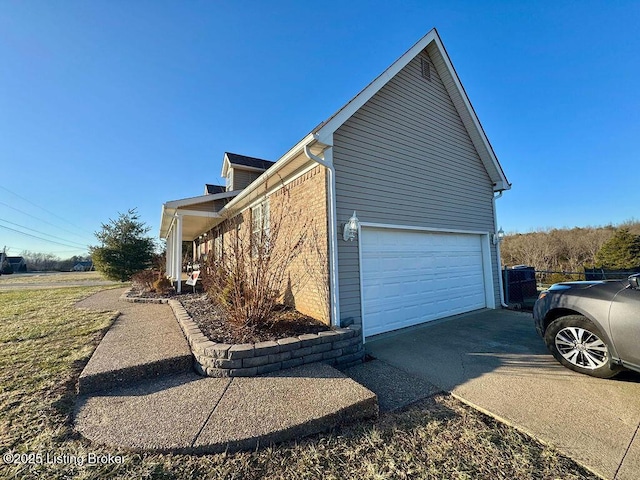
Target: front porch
[189,220]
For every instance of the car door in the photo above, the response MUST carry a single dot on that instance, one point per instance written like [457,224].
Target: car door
[624,322]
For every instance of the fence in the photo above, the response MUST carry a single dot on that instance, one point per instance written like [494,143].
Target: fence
[604,274]
[522,283]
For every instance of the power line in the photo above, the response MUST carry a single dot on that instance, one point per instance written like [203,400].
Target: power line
[42,233]
[39,219]
[39,238]
[42,208]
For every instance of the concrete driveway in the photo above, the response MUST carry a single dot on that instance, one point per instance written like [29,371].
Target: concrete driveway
[495,361]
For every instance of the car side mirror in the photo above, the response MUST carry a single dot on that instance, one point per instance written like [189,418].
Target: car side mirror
[634,281]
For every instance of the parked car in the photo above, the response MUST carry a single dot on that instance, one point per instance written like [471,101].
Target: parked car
[592,327]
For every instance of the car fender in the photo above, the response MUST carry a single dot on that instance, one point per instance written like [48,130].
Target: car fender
[597,312]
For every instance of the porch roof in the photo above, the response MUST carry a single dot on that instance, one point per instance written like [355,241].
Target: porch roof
[199,214]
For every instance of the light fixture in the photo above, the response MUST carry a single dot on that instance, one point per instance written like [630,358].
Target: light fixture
[350,230]
[497,237]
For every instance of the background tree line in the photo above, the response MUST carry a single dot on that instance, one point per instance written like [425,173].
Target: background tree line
[571,250]
[42,262]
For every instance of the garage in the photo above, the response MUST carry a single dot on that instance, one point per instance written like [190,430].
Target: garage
[410,277]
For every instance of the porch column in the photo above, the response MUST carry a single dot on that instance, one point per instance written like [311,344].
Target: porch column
[178,252]
[167,255]
[171,251]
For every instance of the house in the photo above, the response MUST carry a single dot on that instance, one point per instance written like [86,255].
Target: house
[18,264]
[399,186]
[85,266]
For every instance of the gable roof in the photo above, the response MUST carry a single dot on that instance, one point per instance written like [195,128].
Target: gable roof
[433,45]
[244,162]
[213,189]
[321,137]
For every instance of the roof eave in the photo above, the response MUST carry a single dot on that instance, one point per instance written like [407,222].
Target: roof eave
[249,193]
[169,209]
[183,202]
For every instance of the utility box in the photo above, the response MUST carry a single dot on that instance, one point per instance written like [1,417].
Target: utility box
[520,286]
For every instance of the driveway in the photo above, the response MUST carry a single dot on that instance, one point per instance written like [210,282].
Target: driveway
[495,361]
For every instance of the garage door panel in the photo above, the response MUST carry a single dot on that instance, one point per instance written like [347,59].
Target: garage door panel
[411,277]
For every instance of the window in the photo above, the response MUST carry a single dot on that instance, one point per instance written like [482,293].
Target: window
[260,224]
[217,246]
[229,180]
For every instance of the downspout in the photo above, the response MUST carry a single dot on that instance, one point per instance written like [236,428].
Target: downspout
[495,230]
[333,247]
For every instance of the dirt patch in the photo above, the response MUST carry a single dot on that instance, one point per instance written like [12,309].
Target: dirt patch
[286,322]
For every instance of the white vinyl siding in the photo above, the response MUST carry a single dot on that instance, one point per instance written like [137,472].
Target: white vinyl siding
[405,158]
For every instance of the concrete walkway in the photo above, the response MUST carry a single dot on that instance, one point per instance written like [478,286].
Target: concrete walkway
[495,361]
[144,342]
[138,391]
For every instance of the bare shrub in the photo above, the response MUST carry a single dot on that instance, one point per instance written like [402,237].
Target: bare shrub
[260,245]
[144,280]
[162,285]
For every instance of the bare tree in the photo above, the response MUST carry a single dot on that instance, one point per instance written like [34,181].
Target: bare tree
[564,250]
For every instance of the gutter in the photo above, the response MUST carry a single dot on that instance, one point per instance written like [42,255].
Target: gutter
[495,230]
[273,170]
[333,235]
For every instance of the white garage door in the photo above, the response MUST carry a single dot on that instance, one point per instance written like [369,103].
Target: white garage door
[411,277]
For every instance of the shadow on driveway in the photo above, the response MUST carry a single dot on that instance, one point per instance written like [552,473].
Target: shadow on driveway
[494,360]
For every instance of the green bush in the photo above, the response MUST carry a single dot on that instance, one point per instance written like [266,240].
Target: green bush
[622,251]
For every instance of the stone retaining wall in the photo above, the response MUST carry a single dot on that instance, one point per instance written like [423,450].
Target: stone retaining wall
[341,348]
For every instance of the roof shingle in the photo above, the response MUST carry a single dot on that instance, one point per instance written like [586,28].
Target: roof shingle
[243,160]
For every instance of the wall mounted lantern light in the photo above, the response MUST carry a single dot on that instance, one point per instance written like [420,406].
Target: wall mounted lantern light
[497,237]
[350,231]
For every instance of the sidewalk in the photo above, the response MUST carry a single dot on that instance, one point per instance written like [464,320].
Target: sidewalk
[138,391]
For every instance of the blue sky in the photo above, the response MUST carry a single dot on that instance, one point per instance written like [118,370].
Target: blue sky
[107,106]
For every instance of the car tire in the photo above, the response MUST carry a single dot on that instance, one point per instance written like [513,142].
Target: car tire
[580,346]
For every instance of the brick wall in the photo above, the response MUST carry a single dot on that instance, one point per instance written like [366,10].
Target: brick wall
[306,200]
[299,212]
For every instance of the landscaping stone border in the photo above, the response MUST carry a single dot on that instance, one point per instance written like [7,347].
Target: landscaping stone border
[129,296]
[341,348]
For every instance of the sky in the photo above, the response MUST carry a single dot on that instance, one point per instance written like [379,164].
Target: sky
[107,106]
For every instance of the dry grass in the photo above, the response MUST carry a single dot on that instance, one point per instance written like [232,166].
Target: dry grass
[45,341]
[51,277]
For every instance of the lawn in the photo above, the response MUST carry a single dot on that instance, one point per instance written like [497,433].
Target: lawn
[45,342]
[50,277]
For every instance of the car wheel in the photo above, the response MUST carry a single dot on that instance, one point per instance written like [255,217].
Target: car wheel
[579,345]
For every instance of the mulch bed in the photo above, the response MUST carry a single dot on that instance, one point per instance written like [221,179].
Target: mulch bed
[141,292]
[286,322]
